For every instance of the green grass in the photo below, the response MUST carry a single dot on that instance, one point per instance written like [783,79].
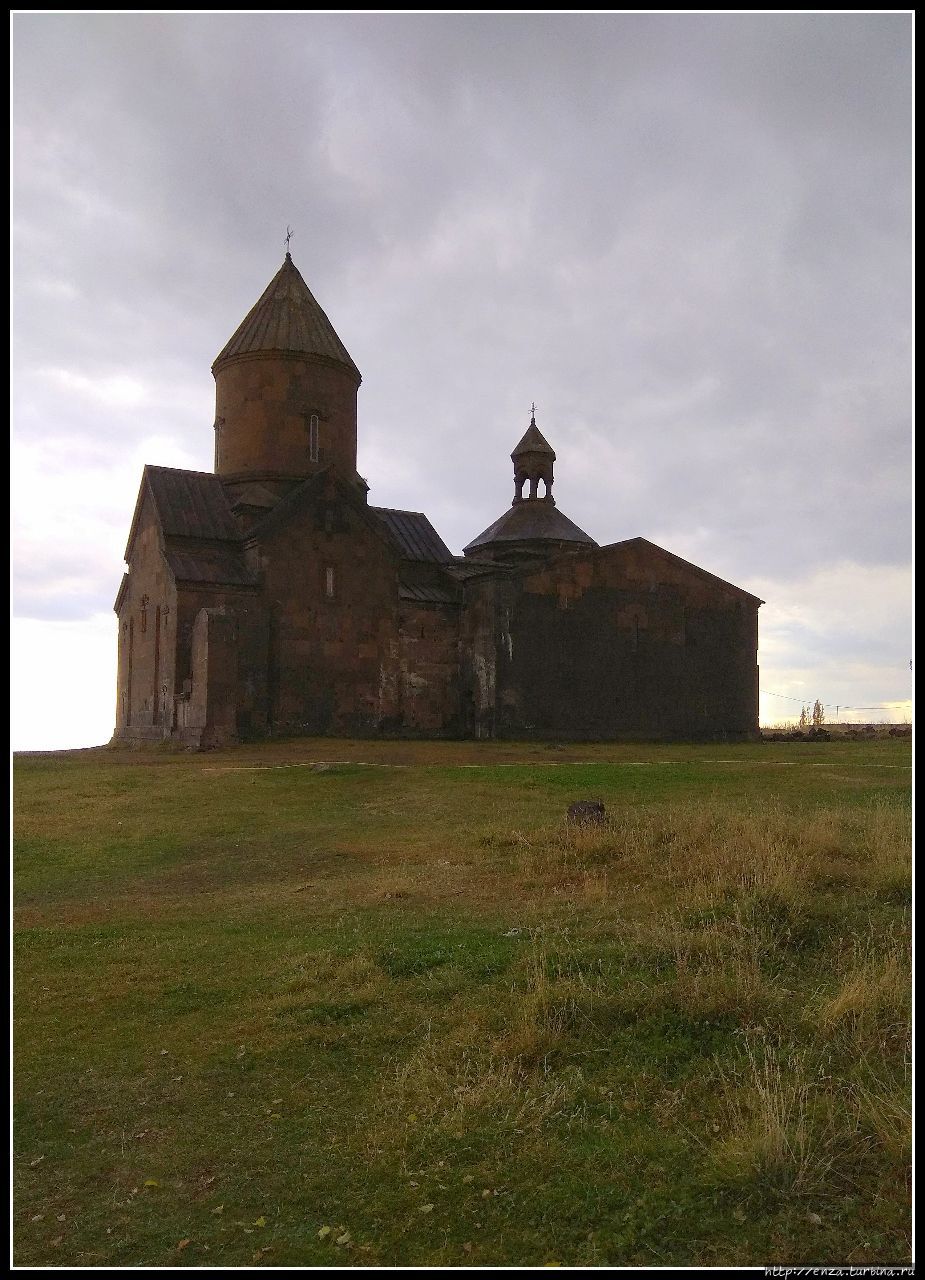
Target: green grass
[398,998]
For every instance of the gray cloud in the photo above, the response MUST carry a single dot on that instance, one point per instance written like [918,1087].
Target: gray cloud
[687,237]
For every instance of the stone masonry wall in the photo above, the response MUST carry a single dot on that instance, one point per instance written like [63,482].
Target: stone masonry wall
[147,637]
[212,718]
[429,671]
[625,643]
[331,588]
[263,409]
[484,648]
[250,616]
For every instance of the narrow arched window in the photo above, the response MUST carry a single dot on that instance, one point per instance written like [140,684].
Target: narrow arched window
[313,438]
[329,582]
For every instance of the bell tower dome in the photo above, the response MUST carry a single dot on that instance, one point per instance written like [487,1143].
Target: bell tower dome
[285,390]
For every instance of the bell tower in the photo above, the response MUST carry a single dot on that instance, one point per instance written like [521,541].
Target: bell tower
[533,460]
[532,527]
[285,391]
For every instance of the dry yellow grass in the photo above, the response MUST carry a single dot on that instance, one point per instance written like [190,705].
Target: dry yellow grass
[414,1002]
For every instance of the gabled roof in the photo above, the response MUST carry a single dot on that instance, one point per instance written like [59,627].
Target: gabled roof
[462,568]
[464,571]
[534,520]
[253,494]
[646,545]
[313,485]
[189,504]
[223,566]
[413,536]
[630,545]
[286,317]
[192,504]
[430,593]
[192,509]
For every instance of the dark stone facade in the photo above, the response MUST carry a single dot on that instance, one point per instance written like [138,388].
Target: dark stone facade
[271,598]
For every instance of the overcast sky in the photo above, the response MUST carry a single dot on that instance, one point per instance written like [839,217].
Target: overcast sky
[685,237]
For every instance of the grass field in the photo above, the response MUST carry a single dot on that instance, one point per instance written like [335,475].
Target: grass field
[353,1003]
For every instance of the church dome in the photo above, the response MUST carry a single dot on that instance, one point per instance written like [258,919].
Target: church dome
[287,318]
[285,390]
[536,522]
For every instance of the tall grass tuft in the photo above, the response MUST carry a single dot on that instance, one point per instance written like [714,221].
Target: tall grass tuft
[871,1008]
[780,1131]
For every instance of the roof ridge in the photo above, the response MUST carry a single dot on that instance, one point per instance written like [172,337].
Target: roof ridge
[413,534]
[404,511]
[184,471]
[183,507]
[689,564]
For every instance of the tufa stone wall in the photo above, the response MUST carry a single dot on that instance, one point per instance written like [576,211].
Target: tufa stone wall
[263,411]
[623,642]
[330,582]
[147,615]
[429,687]
[252,646]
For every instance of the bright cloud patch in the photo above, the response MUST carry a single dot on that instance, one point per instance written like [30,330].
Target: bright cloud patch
[120,392]
[64,683]
[72,509]
[842,635]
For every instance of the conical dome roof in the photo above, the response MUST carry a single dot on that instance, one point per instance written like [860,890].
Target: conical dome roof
[533,441]
[535,522]
[287,318]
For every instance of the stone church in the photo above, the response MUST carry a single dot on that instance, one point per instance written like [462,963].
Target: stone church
[270,598]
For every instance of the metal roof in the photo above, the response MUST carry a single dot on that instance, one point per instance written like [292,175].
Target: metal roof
[534,520]
[286,317]
[220,565]
[413,535]
[191,504]
[430,594]
[463,568]
[533,441]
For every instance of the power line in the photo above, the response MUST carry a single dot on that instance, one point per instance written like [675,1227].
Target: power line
[847,706]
